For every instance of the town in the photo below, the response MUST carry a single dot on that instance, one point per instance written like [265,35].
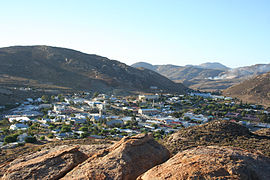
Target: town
[100,116]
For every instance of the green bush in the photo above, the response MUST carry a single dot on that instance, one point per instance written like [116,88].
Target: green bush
[30,139]
[50,136]
[11,138]
[42,138]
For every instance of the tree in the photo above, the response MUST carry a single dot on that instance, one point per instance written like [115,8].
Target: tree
[65,129]
[95,94]
[11,138]
[30,139]
[85,129]
[45,98]
[42,138]
[50,136]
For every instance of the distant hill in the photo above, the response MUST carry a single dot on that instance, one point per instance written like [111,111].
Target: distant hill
[174,72]
[213,65]
[207,76]
[245,72]
[65,69]
[255,90]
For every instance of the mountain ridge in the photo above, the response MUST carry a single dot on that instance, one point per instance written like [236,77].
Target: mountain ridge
[66,69]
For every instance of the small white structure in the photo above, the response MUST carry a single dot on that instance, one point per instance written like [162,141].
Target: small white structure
[148,97]
[18,126]
[148,111]
[19,119]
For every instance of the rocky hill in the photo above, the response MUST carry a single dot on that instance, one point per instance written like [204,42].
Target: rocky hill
[56,68]
[200,152]
[254,90]
[212,162]
[217,133]
[207,76]
[181,73]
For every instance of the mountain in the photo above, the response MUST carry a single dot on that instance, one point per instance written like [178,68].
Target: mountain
[144,65]
[213,65]
[245,72]
[55,68]
[177,73]
[207,76]
[254,90]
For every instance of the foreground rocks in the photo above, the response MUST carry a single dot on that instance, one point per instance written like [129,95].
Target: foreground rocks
[127,159]
[212,162]
[46,164]
[217,133]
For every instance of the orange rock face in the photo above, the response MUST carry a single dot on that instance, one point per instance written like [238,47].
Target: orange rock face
[212,162]
[127,159]
[46,164]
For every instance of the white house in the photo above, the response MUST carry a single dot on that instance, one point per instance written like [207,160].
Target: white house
[18,126]
[20,119]
[148,97]
[148,111]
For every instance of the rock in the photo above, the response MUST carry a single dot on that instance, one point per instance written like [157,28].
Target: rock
[126,159]
[46,164]
[212,162]
[217,133]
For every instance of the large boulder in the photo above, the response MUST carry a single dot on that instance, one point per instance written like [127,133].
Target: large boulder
[212,162]
[46,164]
[126,159]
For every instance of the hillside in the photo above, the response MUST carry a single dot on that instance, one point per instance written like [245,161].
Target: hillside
[254,90]
[174,72]
[217,133]
[201,152]
[207,76]
[213,65]
[61,69]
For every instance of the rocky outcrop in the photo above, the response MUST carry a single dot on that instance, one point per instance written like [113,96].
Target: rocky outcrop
[217,133]
[126,159]
[46,164]
[212,162]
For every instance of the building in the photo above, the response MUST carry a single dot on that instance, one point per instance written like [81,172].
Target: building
[148,111]
[148,97]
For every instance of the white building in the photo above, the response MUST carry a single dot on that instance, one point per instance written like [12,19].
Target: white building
[148,97]
[18,126]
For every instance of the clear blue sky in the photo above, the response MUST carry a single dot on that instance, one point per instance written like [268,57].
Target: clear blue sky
[233,32]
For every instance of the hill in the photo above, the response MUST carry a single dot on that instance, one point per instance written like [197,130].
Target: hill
[217,133]
[254,90]
[183,73]
[213,65]
[45,67]
[207,76]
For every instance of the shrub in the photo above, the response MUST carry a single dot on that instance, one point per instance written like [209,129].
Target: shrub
[11,138]
[30,139]
[42,138]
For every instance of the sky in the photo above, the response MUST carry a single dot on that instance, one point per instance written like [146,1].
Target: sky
[233,32]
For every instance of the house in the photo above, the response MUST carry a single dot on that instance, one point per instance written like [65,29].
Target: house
[19,119]
[148,97]
[18,126]
[148,111]
[114,122]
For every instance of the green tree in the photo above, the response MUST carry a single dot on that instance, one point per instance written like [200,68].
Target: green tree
[65,129]
[11,138]
[42,138]
[85,129]
[95,94]
[30,139]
